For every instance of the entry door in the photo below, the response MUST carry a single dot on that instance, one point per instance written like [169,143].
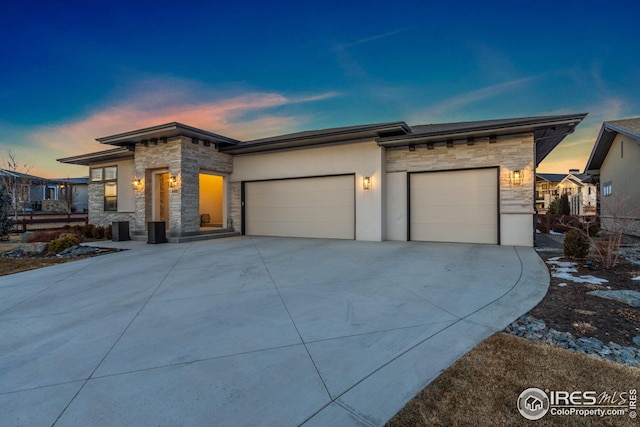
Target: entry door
[161,197]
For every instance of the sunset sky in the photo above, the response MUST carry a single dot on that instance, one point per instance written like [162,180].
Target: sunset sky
[73,71]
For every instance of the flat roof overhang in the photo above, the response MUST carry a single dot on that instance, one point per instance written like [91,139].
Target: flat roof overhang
[114,154]
[319,137]
[162,133]
[548,132]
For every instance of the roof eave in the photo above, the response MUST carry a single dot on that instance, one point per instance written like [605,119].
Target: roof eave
[322,138]
[530,125]
[167,130]
[114,154]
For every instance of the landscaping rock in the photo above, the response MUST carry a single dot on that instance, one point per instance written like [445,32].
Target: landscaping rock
[27,249]
[592,346]
[631,298]
[78,250]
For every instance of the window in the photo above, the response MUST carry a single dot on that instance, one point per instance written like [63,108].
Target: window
[108,175]
[606,189]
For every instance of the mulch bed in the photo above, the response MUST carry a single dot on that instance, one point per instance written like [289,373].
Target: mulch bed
[570,309]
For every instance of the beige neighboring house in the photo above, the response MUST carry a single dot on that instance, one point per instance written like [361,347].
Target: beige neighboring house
[581,191]
[615,163]
[456,182]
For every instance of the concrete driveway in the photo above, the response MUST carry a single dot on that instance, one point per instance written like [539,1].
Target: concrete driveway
[250,331]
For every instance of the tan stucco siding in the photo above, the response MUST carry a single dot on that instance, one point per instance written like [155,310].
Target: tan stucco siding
[621,168]
[364,159]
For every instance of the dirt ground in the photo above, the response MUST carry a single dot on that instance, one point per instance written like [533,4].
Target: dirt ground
[570,309]
[11,265]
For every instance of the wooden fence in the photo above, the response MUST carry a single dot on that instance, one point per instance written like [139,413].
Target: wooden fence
[562,223]
[35,221]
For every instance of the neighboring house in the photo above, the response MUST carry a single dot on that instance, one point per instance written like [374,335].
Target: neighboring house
[547,189]
[32,193]
[615,164]
[581,191]
[457,182]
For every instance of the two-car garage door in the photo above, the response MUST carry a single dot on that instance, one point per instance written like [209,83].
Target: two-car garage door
[454,206]
[303,207]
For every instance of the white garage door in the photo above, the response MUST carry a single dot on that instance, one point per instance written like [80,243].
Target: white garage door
[305,207]
[454,206]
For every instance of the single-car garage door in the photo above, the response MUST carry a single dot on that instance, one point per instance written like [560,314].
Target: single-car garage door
[303,207]
[454,206]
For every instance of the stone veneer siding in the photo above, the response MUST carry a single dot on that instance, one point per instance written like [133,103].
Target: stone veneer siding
[236,208]
[509,153]
[97,214]
[185,160]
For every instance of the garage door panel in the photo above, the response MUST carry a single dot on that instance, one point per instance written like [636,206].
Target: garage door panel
[292,199]
[305,207]
[300,214]
[454,206]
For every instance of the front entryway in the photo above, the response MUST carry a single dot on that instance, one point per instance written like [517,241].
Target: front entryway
[160,210]
[211,204]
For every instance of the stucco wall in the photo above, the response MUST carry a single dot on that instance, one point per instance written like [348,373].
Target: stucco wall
[362,158]
[621,168]
[509,153]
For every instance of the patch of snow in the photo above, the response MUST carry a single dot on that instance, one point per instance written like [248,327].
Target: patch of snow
[628,297]
[562,285]
[555,233]
[538,231]
[563,269]
[562,264]
[579,279]
[636,278]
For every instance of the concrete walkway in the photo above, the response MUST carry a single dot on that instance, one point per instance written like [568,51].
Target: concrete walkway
[250,331]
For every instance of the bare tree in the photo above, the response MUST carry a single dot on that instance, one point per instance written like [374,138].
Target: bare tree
[16,182]
[615,223]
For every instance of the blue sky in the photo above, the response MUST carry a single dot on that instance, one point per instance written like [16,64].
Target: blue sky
[73,71]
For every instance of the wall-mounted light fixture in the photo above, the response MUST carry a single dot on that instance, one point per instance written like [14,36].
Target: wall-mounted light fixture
[173,181]
[366,183]
[137,184]
[516,177]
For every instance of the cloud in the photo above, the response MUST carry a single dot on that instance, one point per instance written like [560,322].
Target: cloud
[243,115]
[349,65]
[443,110]
[370,39]
[225,116]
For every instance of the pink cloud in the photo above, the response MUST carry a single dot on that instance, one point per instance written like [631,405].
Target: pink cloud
[226,116]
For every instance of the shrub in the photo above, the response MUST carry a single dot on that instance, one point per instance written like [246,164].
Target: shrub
[87,231]
[565,207]
[98,232]
[43,236]
[61,243]
[107,233]
[576,244]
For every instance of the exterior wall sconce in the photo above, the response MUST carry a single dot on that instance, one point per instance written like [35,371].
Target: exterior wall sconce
[173,181]
[366,183]
[516,177]
[137,184]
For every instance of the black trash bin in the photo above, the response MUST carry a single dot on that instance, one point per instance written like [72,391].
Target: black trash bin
[156,232]
[120,231]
